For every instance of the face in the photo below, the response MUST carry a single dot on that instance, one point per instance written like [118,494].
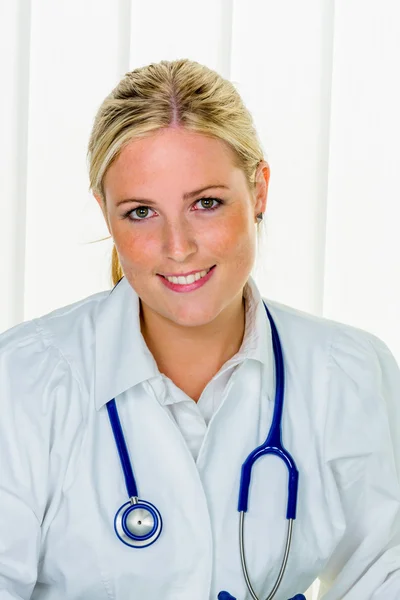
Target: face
[159,231]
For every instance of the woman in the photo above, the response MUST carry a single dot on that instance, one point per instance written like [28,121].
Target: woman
[189,371]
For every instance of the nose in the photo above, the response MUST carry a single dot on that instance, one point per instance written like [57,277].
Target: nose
[179,241]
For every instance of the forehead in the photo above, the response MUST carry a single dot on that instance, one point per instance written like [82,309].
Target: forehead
[169,152]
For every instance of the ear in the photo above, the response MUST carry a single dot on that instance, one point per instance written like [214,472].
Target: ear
[262,182]
[103,209]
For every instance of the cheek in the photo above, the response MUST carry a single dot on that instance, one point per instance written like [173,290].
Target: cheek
[235,238]
[135,248]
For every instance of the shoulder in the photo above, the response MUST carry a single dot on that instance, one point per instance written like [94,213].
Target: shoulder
[55,325]
[50,353]
[357,378]
[358,370]
[71,328]
[310,332]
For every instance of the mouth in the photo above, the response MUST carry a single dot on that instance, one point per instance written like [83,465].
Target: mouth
[189,284]
[193,273]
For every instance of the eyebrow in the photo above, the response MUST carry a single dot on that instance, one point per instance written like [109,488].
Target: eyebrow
[186,196]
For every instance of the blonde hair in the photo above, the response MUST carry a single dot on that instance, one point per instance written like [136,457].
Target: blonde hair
[181,93]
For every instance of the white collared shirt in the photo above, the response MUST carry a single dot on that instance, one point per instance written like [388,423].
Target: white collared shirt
[61,481]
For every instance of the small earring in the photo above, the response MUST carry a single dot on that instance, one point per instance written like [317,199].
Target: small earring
[259,217]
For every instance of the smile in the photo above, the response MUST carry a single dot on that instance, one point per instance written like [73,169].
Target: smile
[187,284]
[189,279]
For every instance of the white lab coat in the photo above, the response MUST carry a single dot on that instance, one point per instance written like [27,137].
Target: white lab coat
[61,480]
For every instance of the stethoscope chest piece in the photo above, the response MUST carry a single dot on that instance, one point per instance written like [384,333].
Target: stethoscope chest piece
[138,523]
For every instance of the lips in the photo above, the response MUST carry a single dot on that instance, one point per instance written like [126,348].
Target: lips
[194,273]
[188,287]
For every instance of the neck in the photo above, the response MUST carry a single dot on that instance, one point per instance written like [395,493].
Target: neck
[209,347]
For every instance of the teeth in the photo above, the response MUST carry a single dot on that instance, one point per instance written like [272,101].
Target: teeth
[189,279]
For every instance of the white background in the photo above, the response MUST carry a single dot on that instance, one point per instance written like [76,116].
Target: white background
[322,80]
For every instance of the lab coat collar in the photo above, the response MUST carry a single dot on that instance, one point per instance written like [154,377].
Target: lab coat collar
[122,358]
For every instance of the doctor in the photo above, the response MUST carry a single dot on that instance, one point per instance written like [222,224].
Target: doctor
[125,418]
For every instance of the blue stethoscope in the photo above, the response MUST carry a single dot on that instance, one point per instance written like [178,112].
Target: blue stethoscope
[138,523]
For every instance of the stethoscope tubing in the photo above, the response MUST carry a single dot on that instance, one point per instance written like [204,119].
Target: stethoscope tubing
[244,564]
[130,481]
[273,443]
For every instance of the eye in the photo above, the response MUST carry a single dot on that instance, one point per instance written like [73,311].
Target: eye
[207,200]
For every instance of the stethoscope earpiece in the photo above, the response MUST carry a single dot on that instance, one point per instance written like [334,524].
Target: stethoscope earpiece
[138,523]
